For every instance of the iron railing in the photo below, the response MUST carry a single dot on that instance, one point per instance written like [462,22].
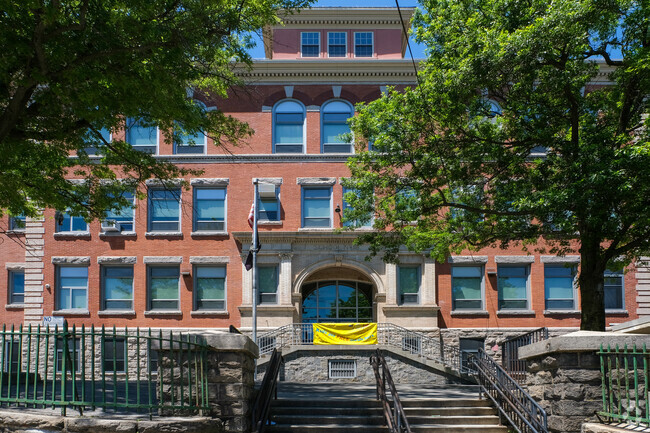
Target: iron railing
[624,372]
[513,402]
[393,411]
[126,370]
[268,390]
[511,363]
[302,334]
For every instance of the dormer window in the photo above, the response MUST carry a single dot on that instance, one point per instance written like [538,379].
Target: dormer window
[310,44]
[363,44]
[336,44]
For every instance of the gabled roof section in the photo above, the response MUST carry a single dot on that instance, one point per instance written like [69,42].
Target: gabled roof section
[344,18]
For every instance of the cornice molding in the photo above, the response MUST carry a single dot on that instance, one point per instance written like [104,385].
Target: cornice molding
[348,16]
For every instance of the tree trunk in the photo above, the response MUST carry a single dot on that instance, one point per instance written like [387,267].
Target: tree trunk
[592,287]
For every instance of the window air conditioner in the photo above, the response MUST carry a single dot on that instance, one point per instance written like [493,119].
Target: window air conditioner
[111,226]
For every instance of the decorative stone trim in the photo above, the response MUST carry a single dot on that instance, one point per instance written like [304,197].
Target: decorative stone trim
[270,223]
[76,235]
[163,259]
[470,313]
[255,158]
[514,259]
[167,183]
[313,108]
[79,312]
[316,181]
[210,233]
[410,308]
[617,312]
[272,180]
[15,307]
[14,266]
[267,109]
[116,313]
[170,313]
[118,234]
[561,312]
[71,260]
[164,234]
[209,313]
[117,260]
[467,259]
[560,259]
[201,260]
[506,313]
[215,181]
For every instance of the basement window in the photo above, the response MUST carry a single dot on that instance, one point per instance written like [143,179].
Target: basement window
[342,368]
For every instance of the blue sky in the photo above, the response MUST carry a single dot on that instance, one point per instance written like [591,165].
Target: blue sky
[418,50]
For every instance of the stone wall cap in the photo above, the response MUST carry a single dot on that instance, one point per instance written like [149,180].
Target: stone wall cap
[467,259]
[228,342]
[581,341]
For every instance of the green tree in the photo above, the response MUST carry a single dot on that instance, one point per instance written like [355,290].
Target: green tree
[71,69]
[529,126]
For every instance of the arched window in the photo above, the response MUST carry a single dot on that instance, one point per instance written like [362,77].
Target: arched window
[337,301]
[288,127]
[335,131]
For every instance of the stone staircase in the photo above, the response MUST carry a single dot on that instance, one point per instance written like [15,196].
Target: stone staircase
[364,415]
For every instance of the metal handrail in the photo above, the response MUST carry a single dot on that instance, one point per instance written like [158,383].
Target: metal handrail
[388,334]
[268,390]
[510,361]
[395,417]
[512,401]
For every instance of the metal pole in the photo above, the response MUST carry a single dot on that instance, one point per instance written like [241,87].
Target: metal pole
[254,247]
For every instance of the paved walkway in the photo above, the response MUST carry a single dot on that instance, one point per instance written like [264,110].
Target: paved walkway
[329,390]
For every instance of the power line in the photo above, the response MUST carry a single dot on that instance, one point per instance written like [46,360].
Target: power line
[408,43]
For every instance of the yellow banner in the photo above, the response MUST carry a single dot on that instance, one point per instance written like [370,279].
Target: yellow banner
[345,333]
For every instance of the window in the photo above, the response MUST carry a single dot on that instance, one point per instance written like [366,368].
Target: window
[11,358]
[72,283]
[141,137]
[153,359]
[288,127]
[365,221]
[559,286]
[267,283]
[342,368]
[614,291]
[71,348]
[17,222]
[316,207]
[337,301]
[407,203]
[210,288]
[186,143]
[335,131]
[164,210]
[310,44]
[16,287]
[209,209]
[363,44]
[513,287]
[336,44]
[123,220]
[94,142]
[467,287]
[114,354]
[117,287]
[408,284]
[66,223]
[163,284]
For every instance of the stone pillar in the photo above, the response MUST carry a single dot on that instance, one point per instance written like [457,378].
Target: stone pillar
[230,364]
[564,375]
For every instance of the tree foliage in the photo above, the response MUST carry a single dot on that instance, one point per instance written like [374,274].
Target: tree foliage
[71,68]
[529,123]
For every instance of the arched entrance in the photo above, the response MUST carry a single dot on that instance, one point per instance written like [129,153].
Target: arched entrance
[337,301]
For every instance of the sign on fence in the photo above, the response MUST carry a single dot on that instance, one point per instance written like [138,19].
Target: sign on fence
[53,321]
[345,333]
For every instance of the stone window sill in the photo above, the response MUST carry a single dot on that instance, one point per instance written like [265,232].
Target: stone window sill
[505,313]
[212,313]
[164,234]
[210,233]
[561,312]
[470,313]
[118,234]
[315,229]
[78,312]
[270,223]
[116,313]
[73,235]
[15,232]
[617,312]
[163,313]
[15,306]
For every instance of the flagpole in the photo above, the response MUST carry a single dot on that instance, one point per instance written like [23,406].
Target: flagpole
[254,247]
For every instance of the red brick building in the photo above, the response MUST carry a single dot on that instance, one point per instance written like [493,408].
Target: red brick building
[176,260]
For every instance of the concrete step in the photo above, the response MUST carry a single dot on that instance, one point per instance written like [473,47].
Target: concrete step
[377,411]
[339,428]
[450,411]
[330,403]
[379,419]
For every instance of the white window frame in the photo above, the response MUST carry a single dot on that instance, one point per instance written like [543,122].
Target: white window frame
[572,266]
[400,295]
[528,296]
[11,286]
[319,46]
[482,277]
[345,43]
[150,267]
[60,289]
[102,273]
[133,208]
[260,300]
[277,201]
[14,226]
[323,111]
[130,121]
[372,45]
[274,112]
[195,299]
[195,228]
[302,205]
[67,212]
[176,191]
